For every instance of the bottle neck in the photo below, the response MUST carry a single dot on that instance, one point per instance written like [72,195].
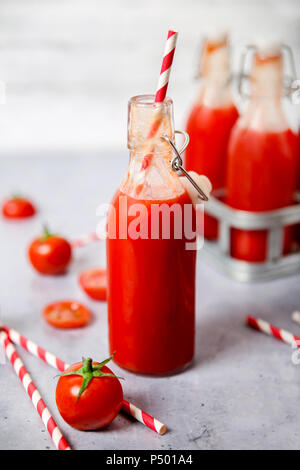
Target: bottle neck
[265,112]
[215,88]
[149,174]
[267,78]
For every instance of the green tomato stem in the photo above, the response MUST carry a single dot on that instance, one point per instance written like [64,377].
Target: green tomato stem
[46,232]
[88,371]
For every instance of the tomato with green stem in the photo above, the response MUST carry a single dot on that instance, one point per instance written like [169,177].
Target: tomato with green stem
[50,254]
[18,207]
[89,395]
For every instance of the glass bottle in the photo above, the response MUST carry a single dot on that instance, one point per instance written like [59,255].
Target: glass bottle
[297,228]
[151,274]
[211,120]
[262,156]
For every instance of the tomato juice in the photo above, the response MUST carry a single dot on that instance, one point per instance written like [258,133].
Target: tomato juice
[151,296]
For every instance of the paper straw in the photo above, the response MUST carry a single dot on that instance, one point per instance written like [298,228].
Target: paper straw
[268,329]
[296,317]
[85,240]
[54,361]
[166,66]
[45,415]
[34,349]
[143,417]
[160,95]
[163,83]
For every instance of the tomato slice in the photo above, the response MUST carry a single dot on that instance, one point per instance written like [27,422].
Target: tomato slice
[94,283]
[66,314]
[18,208]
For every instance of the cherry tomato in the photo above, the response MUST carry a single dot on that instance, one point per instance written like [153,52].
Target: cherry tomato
[94,283]
[18,208]
[66,314]
[88,395]
[50,254]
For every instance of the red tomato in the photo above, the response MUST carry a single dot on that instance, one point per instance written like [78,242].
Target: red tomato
[91,399]
[18,208]
[50,254]
[94,283]
[66,314]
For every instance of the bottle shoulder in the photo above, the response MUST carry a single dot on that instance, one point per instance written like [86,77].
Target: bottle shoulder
[265,116]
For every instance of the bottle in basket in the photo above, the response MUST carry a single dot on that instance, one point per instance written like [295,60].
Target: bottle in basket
[297,228]
[262,155]
[211,120]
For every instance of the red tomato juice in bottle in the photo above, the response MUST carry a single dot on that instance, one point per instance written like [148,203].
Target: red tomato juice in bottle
[211,120]
[297,227]
[151,273]
[262,157]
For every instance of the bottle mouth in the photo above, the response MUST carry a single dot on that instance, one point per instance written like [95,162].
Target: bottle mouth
[267,49]
[148,101]
[147,121]
[262,59]
[214,43]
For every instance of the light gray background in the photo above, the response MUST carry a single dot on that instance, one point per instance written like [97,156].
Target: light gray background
[70,67]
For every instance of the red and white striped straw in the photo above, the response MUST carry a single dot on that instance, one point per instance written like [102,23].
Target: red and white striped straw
[85,240]
[267,328]
[166,66]
[49,423]
[34,349]
[160,95]
[163,83]
[143,417]
[54,361]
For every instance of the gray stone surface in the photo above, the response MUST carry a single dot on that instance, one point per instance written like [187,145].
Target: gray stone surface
[242,391]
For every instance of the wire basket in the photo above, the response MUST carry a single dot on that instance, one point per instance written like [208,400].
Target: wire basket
[276,264]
